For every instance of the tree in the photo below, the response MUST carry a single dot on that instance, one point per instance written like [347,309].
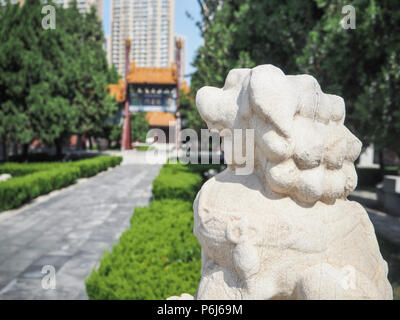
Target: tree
[361,64]
[16,55]
[189,114]
[139,127]
[52,81]
[246,33]
[243,34]
[93,101]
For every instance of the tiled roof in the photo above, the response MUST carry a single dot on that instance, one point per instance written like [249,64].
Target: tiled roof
[143,75]
[160,119]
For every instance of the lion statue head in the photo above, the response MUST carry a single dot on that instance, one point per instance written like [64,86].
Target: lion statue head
[302,148]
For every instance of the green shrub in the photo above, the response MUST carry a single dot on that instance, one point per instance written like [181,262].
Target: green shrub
[176,181]
[139,126]
[90,167]
[157,257]
[22,169]
[16,191]
[34,179]
[144,148]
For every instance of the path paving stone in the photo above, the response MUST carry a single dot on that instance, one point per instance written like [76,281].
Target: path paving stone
[385,225]
[70,231]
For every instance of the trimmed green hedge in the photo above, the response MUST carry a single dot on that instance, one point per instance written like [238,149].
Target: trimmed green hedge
[33,180]
[90,167]
[16,191]
[156,258]
[22,169]
[144,148]
[176,181]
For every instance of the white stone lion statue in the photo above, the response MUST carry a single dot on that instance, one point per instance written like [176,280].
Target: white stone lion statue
[286,231]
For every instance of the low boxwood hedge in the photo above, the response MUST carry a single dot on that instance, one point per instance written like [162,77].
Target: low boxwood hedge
[33,180]
[176,181]
[88,167]
[17,191]
[22,169]
[156,258]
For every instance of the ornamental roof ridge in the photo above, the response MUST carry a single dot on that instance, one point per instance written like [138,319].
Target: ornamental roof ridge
[152,75]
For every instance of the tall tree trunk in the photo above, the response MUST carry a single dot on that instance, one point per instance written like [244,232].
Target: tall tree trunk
[84,142]
[78,142]
[25,151]
[59,146]
[398,164]
[90,143]
[15,149]
[381,163]
[5,151]
[81,142]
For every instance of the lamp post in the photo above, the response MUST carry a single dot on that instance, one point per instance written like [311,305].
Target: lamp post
[126,129]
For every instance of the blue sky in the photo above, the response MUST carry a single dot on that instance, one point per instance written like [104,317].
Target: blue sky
[183,26]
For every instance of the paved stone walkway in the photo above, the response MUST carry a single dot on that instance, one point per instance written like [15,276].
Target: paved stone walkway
[385,225]
[70,232]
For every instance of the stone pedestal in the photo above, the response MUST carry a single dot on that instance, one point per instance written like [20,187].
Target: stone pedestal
[389,195]
[367,158]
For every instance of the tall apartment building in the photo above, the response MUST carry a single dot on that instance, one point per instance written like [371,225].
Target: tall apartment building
[107,48]
[182,71]
[150,26]
[85,5]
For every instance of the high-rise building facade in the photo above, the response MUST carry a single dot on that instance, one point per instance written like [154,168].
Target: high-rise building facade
[182,69]
[149,24]
[107,48]
[85,5]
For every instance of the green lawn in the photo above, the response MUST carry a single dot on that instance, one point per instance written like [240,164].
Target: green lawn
[144,148]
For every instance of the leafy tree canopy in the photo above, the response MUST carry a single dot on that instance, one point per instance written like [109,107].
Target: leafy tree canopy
[52,80]
[361,65]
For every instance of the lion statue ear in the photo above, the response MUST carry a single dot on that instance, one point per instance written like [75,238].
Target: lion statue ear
[219,107]
[274,97]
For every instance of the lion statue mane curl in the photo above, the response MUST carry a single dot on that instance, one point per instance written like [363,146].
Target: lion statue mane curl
[302,148]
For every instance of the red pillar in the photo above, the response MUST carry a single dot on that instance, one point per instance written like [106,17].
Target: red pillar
[178,87]
[126,129]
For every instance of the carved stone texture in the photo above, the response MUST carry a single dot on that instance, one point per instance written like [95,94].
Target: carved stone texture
[286,231]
